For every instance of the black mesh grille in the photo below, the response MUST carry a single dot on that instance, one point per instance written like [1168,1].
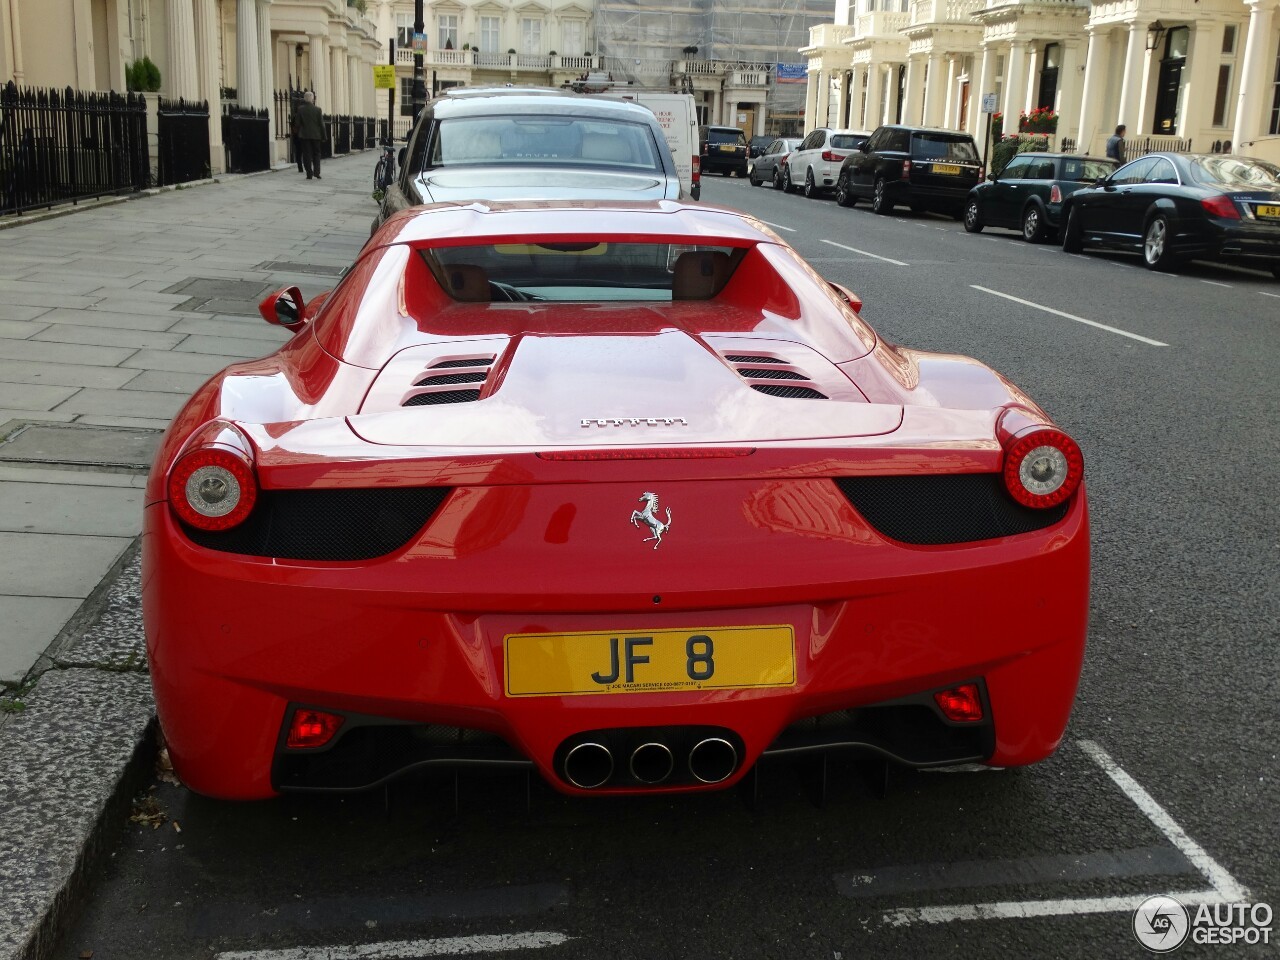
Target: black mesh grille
[770,374]
[442,396]
[328,524]
[478,377]
[956,508]
[743,358]
[795,393]
[477,362]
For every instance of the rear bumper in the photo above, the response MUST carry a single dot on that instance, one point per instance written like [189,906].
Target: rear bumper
[1239,242]
[908,191]
[720,164]
[235,641]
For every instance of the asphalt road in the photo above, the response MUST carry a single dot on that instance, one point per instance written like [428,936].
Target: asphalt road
[1167,782]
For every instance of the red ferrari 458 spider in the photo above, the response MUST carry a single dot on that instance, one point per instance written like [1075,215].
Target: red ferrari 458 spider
[624,493]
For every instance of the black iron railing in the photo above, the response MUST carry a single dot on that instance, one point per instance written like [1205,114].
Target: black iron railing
[326,145]
[246,132]
[342,140]
[63,147]
[182,135]
[357,133]
[1140,146]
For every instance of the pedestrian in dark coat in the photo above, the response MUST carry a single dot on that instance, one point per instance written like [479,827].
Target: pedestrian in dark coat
[311,132]
[1116,147]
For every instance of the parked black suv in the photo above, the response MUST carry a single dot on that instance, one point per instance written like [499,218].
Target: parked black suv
[922,167]
[723,149]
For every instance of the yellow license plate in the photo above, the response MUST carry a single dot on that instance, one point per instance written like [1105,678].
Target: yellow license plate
[727,148]
[949,168]
[649,661]
[1268,211]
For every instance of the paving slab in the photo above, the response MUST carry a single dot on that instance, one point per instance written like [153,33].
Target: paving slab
[107,336]
[64,374]
[63,353]
[157,424]
[67,507]
[128,403]
[55,565]
[18,311]
[46,444]
[20,329]
[179,362]
[30,625]
[250,347]
[33,397]
[106,318]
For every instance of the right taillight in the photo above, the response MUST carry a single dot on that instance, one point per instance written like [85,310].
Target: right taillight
[1221,206]
[212,488]
[697,168]
[1042,467]
[906,168]
[1055,194]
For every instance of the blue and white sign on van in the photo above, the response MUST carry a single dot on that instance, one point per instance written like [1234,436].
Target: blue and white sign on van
[793,73]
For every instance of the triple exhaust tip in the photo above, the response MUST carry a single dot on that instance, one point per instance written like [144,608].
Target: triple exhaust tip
[590,765]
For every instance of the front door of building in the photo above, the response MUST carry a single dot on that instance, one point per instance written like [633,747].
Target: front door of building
[1169,83]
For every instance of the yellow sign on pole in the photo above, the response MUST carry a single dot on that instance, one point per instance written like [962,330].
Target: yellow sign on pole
[384,77]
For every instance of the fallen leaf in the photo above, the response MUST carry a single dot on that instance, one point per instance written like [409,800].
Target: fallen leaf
[86,955]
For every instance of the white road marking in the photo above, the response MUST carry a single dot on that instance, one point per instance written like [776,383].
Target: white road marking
[874,256]
[778,226]
[399,949]
[1225,888]
[1068,316]
[1222,881]
[1215,283]
[1265,294]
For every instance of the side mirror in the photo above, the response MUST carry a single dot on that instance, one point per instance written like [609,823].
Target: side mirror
[862,147]
[847,295]
[1101,181]
[991,177]
[404,151]
[284,308]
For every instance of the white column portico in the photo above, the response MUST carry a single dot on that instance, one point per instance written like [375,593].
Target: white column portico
[205,28]
[1254,73]
[875,92]
[1015,82]
[949,118]
[1094,79]
[1134,62]
[824,99]
[266,62]
[911,91]
[986,80]
[248,69]
[180,42]
[1203,59]
[936,89]
[319,56]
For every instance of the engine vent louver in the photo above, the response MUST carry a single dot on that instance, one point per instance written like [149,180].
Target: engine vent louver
[335,525]
[937,509]
[749,367]
[466,370]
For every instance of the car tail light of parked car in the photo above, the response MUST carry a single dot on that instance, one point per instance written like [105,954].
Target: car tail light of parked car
[1055,194]
[1042,467]
[830,156]
[212,489]
[1221,206]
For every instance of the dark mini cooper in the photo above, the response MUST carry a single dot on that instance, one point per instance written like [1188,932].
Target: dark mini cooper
[924,168]
[1175,207]
[1027,194]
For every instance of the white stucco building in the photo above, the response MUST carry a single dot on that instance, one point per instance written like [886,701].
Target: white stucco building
[1182,74]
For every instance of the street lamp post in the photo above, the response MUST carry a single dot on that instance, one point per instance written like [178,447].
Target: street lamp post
[419,81]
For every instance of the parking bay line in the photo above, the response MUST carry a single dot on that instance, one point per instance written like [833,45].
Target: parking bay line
[1068,316]
[1265,294]
[874,256]
[397,949]
[778,226]
[1224,888]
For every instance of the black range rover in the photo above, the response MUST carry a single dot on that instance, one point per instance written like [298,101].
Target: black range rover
[922,167]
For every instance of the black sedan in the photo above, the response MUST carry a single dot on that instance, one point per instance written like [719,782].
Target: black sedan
[1175,207]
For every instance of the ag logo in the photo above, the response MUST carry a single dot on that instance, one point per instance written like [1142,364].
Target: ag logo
[1161,924]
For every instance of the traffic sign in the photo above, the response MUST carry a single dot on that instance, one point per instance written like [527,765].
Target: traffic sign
[419,43]
[989,103]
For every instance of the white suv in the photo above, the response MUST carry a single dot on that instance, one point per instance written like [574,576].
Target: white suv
[815,164]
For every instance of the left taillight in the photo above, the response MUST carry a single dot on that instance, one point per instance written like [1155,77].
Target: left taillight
[212,488]
[1055,194]
[1042,467]
[1222,206]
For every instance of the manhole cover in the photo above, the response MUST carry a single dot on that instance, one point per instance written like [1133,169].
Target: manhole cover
[67,445]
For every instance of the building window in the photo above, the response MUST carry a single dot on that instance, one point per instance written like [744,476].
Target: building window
[448,24]
[1049,76]
[1220,98]
[404,31]
[490,34]
[1229,38]
[406,96]
[531,36]
[1274,127]
[572,38]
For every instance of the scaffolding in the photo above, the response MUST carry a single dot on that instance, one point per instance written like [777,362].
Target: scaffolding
[643,39]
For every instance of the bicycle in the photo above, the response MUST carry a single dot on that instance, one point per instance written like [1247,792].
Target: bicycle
[385,171]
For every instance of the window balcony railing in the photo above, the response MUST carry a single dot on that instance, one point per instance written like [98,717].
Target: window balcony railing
[882,23]
[829,34]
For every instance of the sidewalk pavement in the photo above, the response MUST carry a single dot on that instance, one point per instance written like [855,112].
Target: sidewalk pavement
[109,319]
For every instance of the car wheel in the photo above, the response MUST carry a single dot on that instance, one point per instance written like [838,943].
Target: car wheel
[1073,233]
[880,202]
[1157,246]
[777,178]
[1033,230]
[973,217]
[787,185]
[810,188]
[844,196]
[752,178]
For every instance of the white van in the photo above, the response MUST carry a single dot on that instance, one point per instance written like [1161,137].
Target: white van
[678,118]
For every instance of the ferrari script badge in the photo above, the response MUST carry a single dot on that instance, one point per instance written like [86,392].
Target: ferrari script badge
[649,517]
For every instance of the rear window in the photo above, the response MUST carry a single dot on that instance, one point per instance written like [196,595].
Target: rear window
[1085,171]
[582,272]
[845,141]
[545,141]
[1236,173]
[940,146]
[727,136]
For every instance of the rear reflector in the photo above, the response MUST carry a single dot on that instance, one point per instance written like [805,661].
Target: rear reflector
[962,704]
[581,455]
[312,728]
